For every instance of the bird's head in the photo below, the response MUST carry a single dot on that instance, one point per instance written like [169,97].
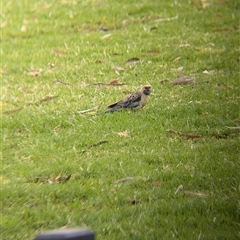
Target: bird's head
[146,89]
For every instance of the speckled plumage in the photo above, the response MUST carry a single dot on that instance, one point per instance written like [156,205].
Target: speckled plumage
[134,101]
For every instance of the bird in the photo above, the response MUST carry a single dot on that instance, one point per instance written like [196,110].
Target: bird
[134,101]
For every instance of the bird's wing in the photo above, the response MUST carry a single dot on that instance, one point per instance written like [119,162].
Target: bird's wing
[131,101]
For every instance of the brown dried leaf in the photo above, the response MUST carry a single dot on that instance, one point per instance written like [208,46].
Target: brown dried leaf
[13,111]
[183,80]
[133,61]
[116,82]
[35,73]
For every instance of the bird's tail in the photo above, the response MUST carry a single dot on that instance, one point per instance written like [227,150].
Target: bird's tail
[111,110]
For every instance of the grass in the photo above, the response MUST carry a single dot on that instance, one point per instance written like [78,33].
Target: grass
[118,173]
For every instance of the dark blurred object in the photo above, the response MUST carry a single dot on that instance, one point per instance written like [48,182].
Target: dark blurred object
[67,234]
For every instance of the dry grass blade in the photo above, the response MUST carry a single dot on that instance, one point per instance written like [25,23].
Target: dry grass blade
[234,128]
[166,19]
[90,111]
[195,194]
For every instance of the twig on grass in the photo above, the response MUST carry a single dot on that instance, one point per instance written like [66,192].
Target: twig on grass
[62,82]
[124,180]
[95,145]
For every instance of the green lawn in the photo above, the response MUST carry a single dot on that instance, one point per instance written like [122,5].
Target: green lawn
[120,174]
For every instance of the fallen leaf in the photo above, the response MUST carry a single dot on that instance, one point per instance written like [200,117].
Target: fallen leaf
[116,82]
[35,73]
[13,111]
[183,80]
[104,29]
[133,61]
[47,98]
[184,135]
[123,134]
